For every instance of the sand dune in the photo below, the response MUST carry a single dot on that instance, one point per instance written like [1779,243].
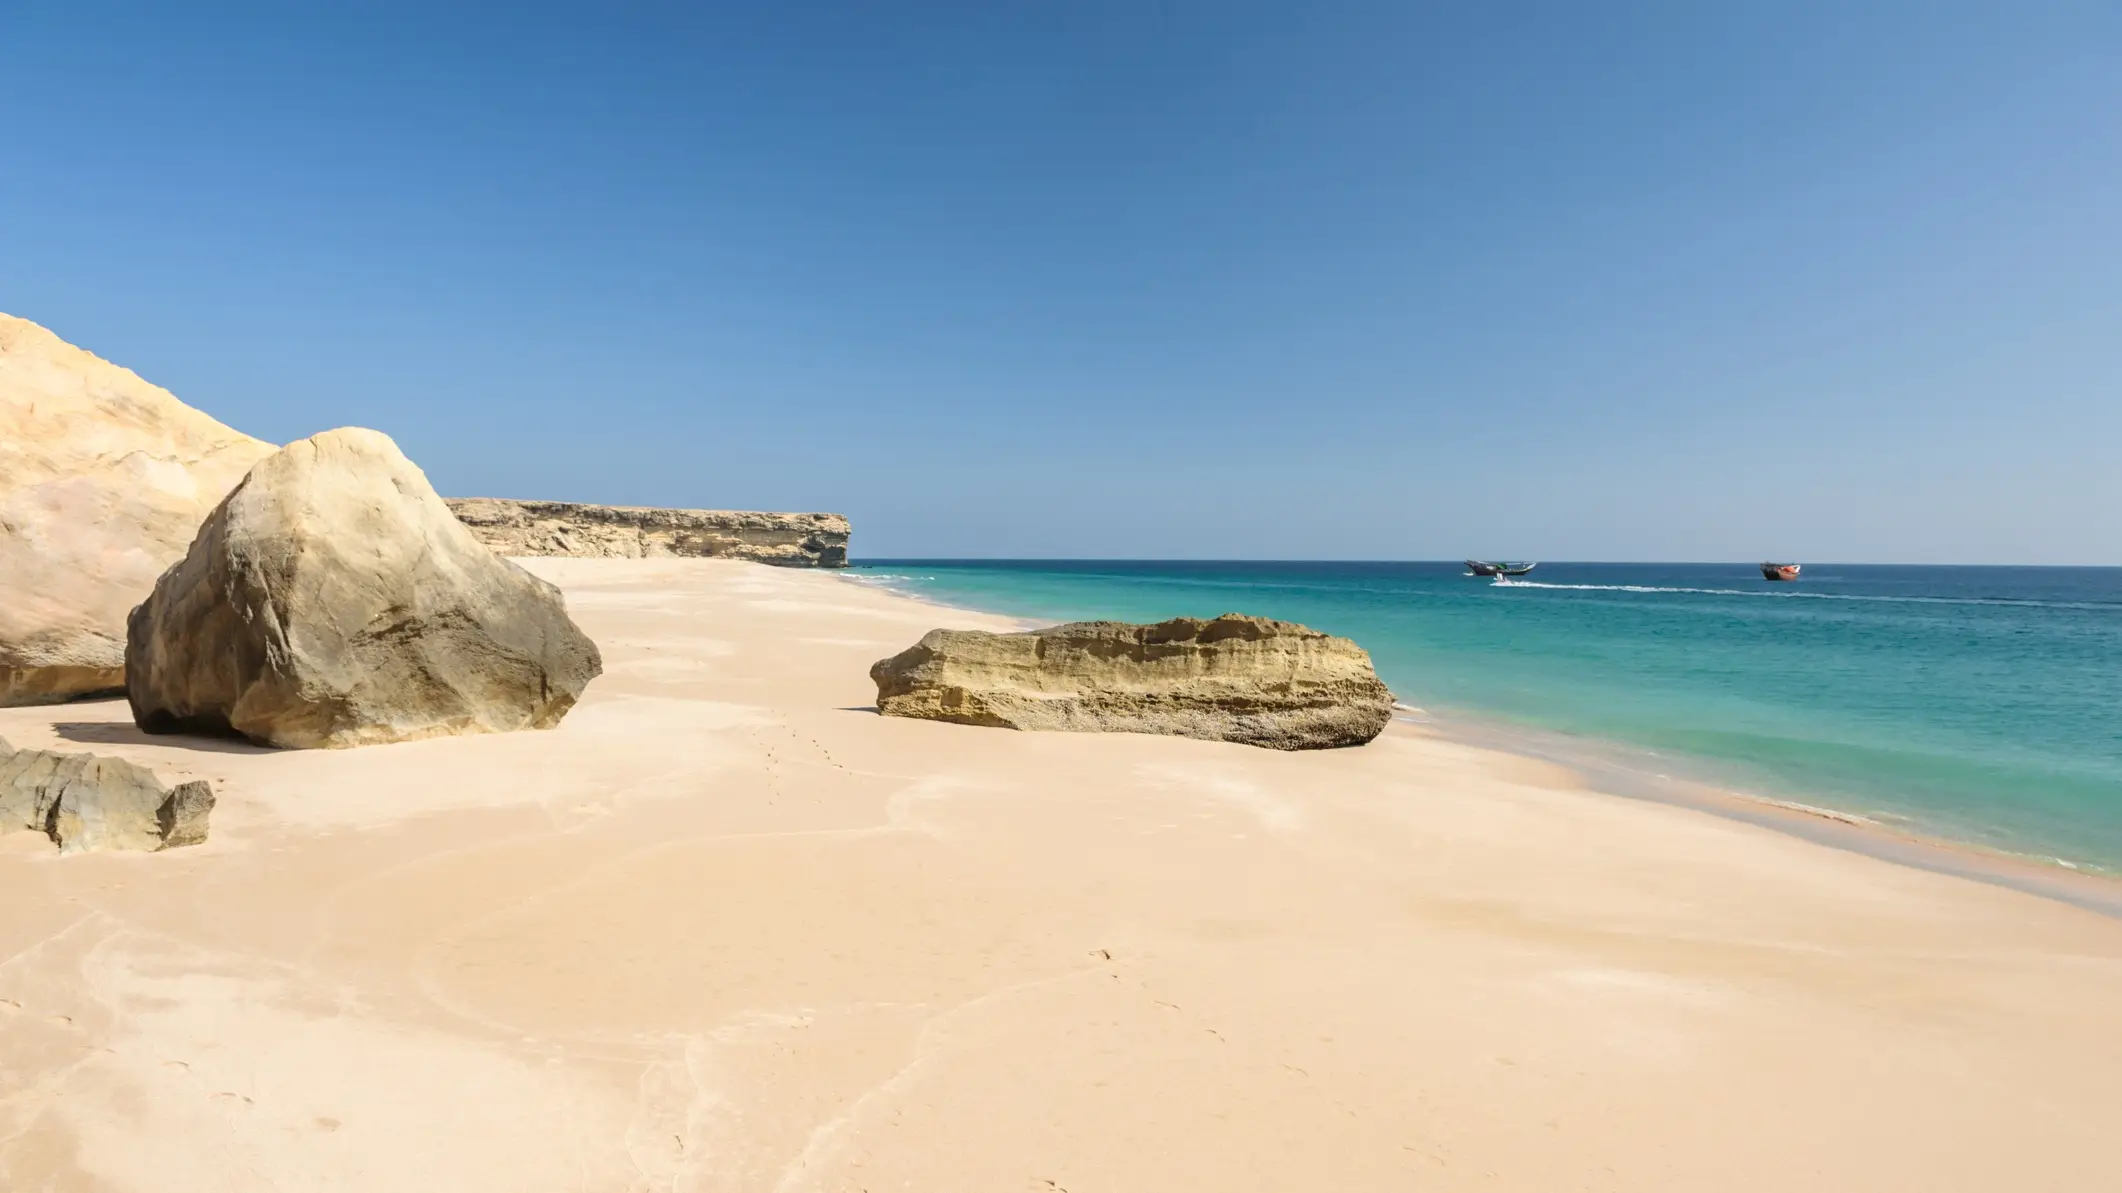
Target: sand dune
[726,929]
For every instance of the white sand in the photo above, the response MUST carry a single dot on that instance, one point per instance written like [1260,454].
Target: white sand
[727,930]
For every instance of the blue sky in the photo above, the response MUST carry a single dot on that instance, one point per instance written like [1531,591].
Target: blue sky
[1619,281]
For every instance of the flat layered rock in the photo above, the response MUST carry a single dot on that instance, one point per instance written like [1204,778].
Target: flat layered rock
[90,802]
[1236,678]
[638,532]
[103,480]
[333,600]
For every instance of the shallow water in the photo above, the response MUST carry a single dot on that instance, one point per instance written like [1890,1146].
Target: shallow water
[1981,704]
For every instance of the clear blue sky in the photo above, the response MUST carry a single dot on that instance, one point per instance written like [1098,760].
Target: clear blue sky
[1613,281]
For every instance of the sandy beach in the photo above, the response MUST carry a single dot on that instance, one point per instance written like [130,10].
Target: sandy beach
[727,929]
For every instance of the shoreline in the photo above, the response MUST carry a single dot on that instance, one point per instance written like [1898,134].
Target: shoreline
[933,602]
[1596,764]
[725,926]
[2091,890]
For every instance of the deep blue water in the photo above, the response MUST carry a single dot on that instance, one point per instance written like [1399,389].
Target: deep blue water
[1978,703]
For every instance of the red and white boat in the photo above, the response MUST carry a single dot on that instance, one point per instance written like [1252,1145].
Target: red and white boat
[1779,571]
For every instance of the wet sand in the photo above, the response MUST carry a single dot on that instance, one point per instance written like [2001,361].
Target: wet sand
[1616,771]
[727,929]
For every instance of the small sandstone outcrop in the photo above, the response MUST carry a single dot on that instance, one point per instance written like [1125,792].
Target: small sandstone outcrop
[1236,678]
[87,801]
[333,600]
[103,479]
[638,532]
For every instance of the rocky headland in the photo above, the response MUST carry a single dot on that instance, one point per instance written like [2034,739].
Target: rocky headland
[1236,678]
[528,528]
[103,481]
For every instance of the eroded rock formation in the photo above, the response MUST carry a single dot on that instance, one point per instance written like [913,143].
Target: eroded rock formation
[88,801]
[334,600]
[1236,678]
[633,532]
[103,480]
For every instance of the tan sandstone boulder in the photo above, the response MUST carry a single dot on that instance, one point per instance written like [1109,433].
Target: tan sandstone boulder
[1237,678]
[103,480]
[87,802]
[333,600]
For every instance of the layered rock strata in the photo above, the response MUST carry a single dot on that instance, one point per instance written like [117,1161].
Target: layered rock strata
[103,480]
[333,600]
[634,532]
[1236,678]
[87,802]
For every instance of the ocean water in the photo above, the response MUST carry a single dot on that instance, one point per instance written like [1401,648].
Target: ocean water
[1977,704]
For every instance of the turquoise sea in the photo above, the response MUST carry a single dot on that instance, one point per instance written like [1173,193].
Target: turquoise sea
[1978,704]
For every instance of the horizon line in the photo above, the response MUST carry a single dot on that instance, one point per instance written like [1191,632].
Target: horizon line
[933,559]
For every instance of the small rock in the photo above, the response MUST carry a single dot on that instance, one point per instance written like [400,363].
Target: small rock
[89,802]
[182,816]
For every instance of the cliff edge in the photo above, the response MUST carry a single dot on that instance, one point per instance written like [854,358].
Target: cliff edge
[104,478]
[632,532]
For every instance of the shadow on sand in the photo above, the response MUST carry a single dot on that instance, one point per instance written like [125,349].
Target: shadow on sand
[117,732]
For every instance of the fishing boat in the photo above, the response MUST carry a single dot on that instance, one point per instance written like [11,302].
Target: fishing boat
[1477,567]
[1779,571]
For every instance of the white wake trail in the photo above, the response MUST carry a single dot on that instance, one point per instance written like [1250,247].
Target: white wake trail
[1788,594]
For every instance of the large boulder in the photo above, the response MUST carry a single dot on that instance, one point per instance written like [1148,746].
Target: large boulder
[1236,678]
[103,480]
[333,600]
[88,801]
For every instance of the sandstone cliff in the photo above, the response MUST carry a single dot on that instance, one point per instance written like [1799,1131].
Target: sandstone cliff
[632,532]
[103,480]
[1236,678]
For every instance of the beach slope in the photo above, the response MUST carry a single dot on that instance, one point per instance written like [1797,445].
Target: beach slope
[725,928]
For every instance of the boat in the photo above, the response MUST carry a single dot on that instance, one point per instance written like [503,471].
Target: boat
[1477,567]
[1779,571]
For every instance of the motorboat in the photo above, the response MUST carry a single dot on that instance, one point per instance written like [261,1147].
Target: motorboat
[1480,567]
